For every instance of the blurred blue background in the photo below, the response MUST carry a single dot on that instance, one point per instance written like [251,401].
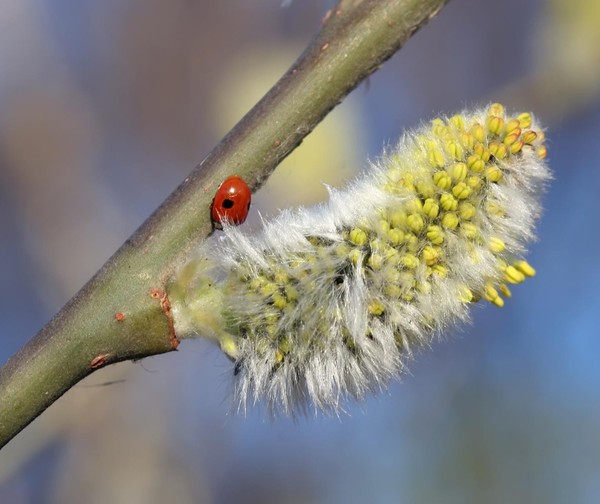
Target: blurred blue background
[104,109]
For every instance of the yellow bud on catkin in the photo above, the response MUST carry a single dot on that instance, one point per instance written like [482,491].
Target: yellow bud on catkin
[430,208]
[497,109]
[478,131]
[376,308]
[431,255]
[495,125]
[505,290]
[493,173]
[459,172]
[435,235]
[525,268]
[415,222]
[461,191]
[448,202]
[450,220]
[512,275]
[442,180]
[497,245]
[466,210]
[410,261]
[529,136]
[512,125]
[458,121]
[525,120]
[395,236]
[358,237]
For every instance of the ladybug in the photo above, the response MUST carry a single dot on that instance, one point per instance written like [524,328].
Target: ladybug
[231,203]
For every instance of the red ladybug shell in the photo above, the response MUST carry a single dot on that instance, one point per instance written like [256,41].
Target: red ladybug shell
[231,203]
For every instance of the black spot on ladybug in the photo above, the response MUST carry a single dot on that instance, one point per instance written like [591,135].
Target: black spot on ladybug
[227,203]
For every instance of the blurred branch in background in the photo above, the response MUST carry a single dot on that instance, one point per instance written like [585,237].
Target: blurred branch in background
[356,37]
[565,76]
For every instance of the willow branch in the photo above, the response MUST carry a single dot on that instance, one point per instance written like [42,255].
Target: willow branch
[122,312]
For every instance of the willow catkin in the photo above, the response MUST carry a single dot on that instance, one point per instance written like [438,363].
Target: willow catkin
[330,301]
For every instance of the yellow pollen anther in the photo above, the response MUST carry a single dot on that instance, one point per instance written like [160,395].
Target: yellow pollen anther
[493,173]
[458,121]
[496,109]
[455,150]
[431,255]
[395,236]
[382,227]
[469,230]
[495,125]
[483,152]
[465,294]
[279,300]
[375,261]
[376,308]
[435,235]
[229,347]
[412,241]
[438,126]
[398,219]
[440,270]
[466,210]
[448,202]
[512,137]
[355,256]
[257,282]
[414,206]
[467,140]
[291,292]
[358,236]
[491,294]
[424,287]
[478,165]
[392,291]
[341,250]
[409,261]
[435,157]
[430,208]
[415,222]
[542,152]
[494,208]
[525,120]
[516,147]
[497,245]
[279,356]
[426,188]
[478,131]
[459,172]
[529,136]
[442,180]
[505,290]
[461,191]
[513,275]
[512,125]
[450,220]
[525,268]
[498,150]
[268,289]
